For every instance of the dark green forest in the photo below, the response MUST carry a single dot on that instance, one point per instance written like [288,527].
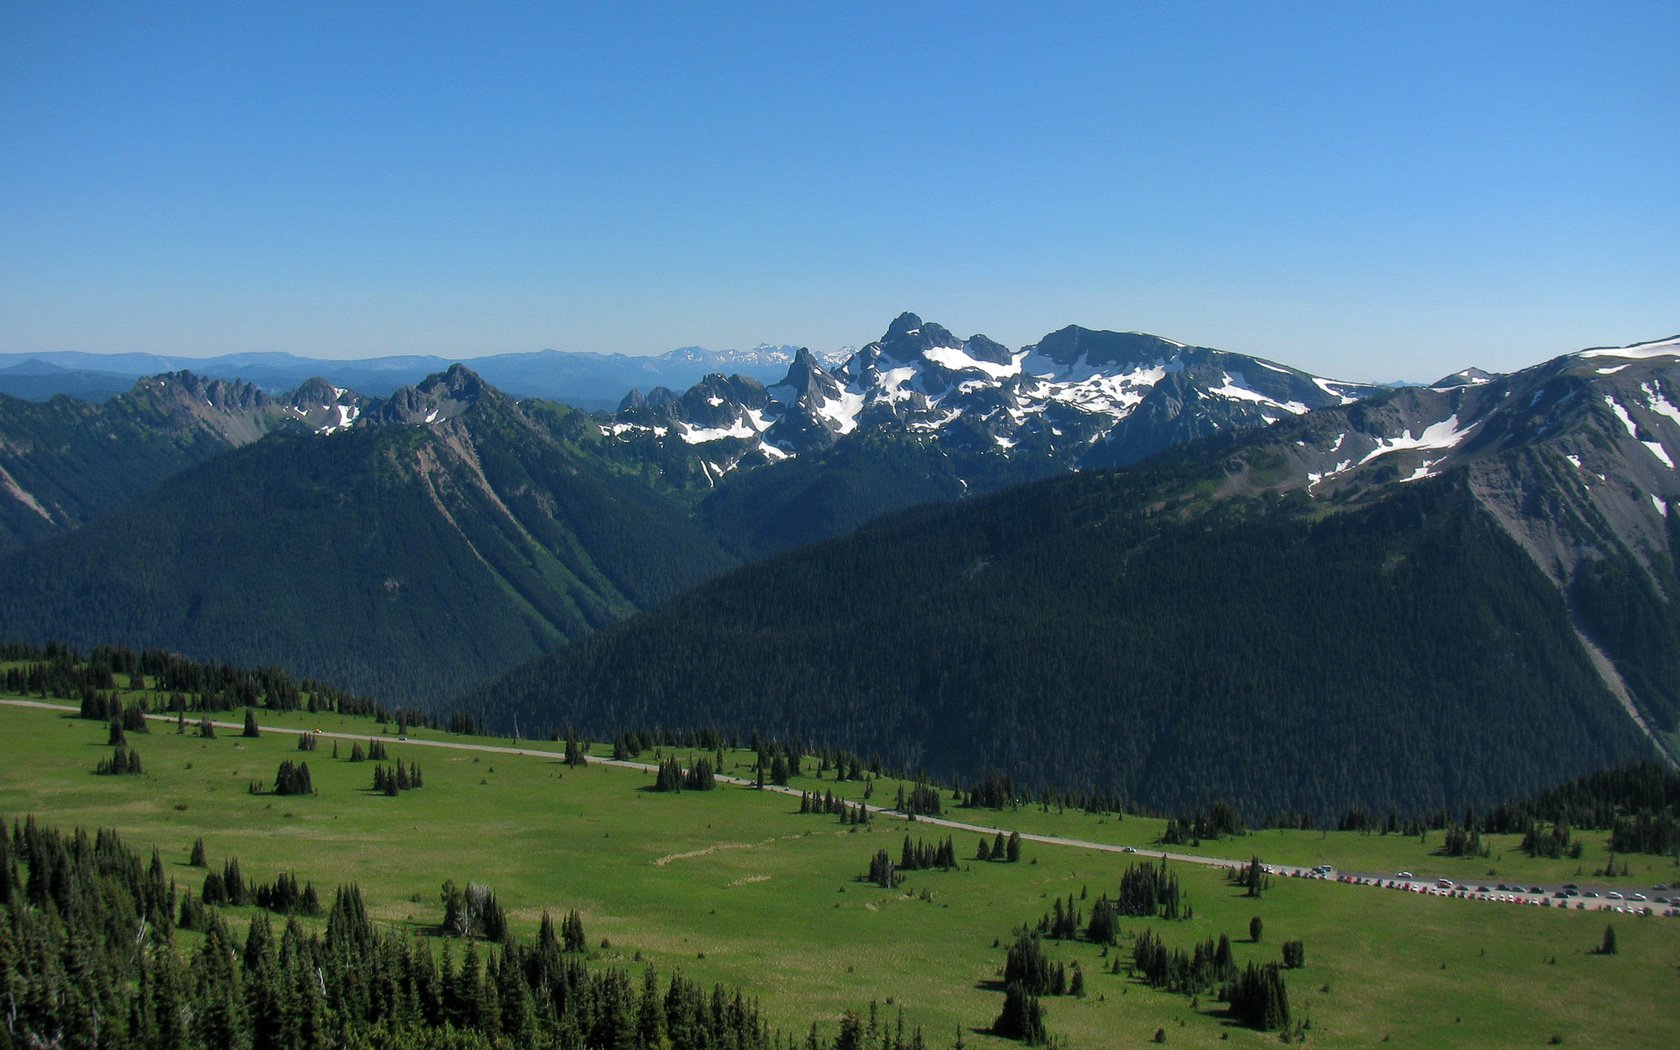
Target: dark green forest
[447,554]
[89,957]
[1406,655]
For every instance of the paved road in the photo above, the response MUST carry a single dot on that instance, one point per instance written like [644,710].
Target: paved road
[1423,886]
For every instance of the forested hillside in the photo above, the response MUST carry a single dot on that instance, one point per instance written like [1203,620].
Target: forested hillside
[1083,632]
[407,562]
[65,462]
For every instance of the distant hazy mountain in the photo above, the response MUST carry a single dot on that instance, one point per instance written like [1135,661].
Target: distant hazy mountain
[584,379]
[1431,597]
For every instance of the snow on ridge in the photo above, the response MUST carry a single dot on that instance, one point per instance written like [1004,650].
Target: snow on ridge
[1423,471]
[1654,447]
[1329,387]
[1669,347]
[1444,434]
[842,411]
[620,429]
[346,415]
[1659,404]
[957,359]
[1340,468]
[699,435]
[1662,508]
[1233,389]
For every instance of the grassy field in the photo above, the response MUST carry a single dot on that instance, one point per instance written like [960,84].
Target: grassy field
[736,886]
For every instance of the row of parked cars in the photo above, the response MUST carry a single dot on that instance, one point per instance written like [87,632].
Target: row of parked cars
[1569,895]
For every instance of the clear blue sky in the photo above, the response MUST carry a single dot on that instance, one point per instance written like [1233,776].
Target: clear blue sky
[1365,190]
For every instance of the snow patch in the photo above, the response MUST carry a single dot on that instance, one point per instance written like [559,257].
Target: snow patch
[700,435]
[1340,468]
[1637,351]
[958,360]
[1329,387]
[1233,388]
[620,429]
[1444,434]
[1662,508]
[1423,471]
[1574,459]
[1654,447]
[1660,404]
[842,411]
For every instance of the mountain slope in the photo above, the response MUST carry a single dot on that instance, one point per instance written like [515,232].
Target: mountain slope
[1378,604]
[448,535]
[65,461]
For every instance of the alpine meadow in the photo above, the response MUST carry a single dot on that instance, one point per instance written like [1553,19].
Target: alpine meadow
[512,535]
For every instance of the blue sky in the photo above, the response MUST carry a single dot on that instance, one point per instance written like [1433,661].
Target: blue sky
[1369,191]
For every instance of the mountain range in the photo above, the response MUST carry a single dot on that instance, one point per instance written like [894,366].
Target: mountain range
[1434,594]
[1162,565]
[586,380]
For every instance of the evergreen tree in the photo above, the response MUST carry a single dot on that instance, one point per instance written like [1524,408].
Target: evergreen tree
[1022,1017]
[250,724]
[1294,955]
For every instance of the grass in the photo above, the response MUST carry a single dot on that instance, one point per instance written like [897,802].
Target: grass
[736,886]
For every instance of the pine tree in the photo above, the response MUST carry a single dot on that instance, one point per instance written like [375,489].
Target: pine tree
[250,724]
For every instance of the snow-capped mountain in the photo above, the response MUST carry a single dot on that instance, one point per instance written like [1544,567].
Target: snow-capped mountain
[1078,399]
[1576,456]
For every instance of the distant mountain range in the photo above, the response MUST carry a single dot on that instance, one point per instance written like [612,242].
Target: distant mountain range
[583,379]
[1163,564]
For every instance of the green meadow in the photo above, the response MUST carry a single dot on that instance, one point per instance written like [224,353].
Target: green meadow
[736,886]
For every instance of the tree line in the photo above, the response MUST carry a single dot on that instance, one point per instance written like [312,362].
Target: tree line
[88,957]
